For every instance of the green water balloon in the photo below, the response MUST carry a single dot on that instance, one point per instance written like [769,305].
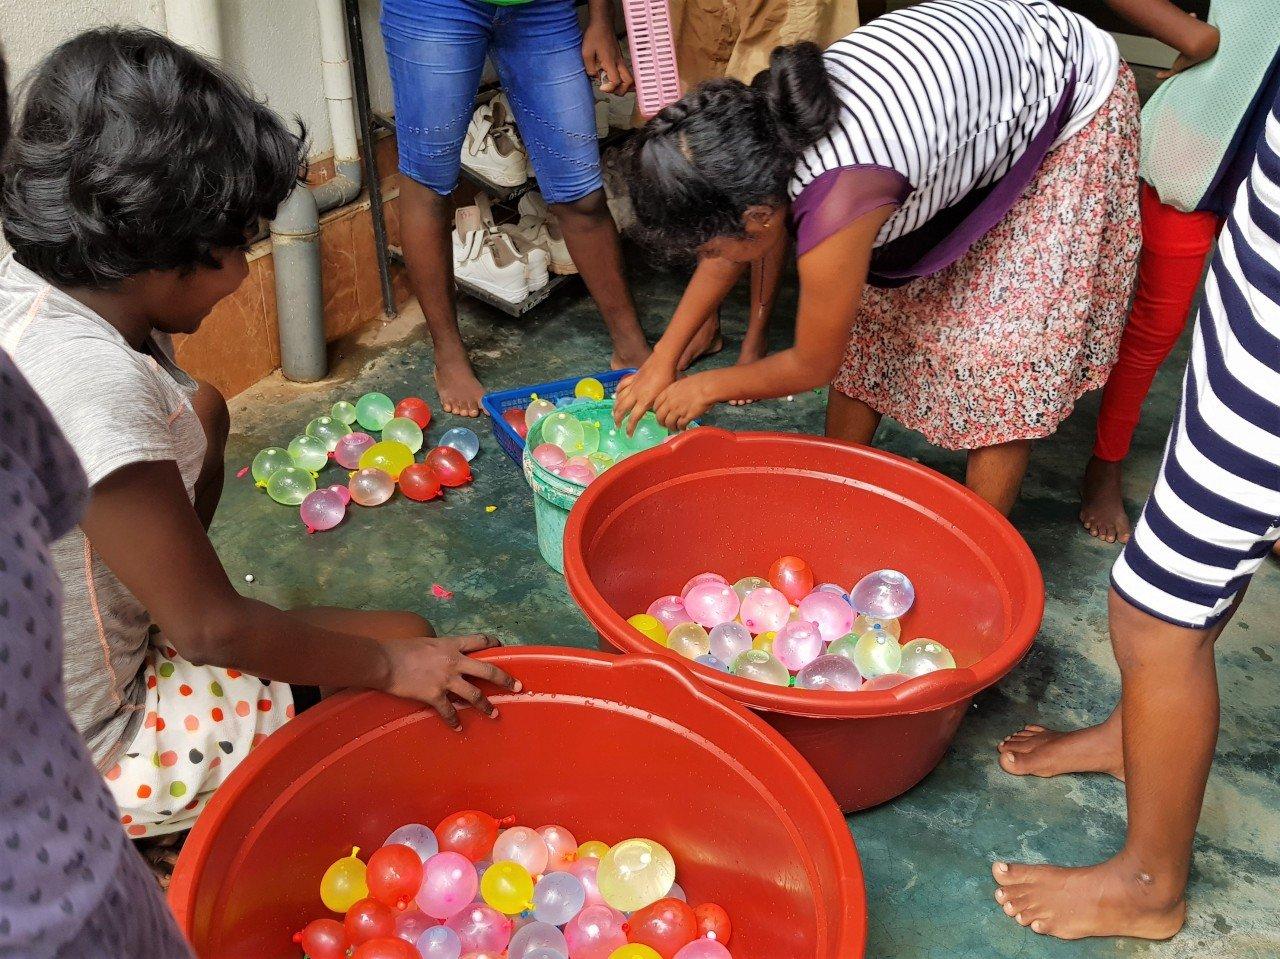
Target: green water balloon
[373,410]
[309,453]
[343,412]
[401,429]
[267,462]
[291,485]
[328,431]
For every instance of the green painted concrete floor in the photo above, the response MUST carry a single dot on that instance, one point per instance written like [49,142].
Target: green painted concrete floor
[927,854]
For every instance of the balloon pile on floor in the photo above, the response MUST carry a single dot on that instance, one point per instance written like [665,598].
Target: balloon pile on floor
[477,887]
[785,631]
[578,444]
[376,466]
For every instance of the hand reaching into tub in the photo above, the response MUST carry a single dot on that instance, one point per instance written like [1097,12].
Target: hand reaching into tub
[433,668]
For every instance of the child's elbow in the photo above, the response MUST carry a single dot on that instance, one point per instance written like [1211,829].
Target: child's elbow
[203,643]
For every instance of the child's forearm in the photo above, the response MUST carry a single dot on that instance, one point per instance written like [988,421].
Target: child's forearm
[1170,25]
[781,374]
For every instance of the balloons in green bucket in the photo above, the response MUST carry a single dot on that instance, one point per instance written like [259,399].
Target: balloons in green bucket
[290,485]
[308,452]
[267,462]
[401,429]
[563,429]
[373,410]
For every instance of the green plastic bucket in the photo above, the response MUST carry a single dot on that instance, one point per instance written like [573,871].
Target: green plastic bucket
[554,496]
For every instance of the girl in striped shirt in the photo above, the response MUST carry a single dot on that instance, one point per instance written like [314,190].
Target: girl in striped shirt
[961,180]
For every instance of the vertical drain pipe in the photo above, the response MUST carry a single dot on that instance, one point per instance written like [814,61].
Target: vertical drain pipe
[295,231]
[195,25]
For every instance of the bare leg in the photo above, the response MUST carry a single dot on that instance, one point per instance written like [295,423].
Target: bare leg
[1170,726]
[766,278]
[996,472]
[211,409]
[428,254]
[592,238]
[850,420]
[708,341]
[1102,501]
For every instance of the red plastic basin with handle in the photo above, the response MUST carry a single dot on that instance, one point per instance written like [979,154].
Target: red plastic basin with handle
[611,747]
[732,503]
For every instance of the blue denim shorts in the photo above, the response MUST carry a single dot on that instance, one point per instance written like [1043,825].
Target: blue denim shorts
[436,51]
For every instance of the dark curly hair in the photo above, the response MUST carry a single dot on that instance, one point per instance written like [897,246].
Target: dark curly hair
[701,163]
[130,153]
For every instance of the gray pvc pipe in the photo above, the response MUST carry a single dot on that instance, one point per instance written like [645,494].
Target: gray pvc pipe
[295,246]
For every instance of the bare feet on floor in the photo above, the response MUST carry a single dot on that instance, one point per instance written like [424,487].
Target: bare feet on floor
[1102,507]
[706,342]
[1036,751]
[1111,899]
[751,351]
[460,391]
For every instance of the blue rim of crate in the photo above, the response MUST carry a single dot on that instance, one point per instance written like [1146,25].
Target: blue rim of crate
[499,401]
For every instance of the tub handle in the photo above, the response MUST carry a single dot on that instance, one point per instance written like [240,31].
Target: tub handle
[935,689]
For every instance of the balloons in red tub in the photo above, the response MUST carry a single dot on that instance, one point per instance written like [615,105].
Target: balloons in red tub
[666,927]
[369,919]
[450,465]
[470,833]
[323,939]
[792,577]
[394,874]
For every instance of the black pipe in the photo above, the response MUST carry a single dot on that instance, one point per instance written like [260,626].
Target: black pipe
[355,41]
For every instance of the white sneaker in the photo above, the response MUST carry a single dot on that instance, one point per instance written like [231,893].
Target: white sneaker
[492,150]
[468,219]
[539,228]
[489,266]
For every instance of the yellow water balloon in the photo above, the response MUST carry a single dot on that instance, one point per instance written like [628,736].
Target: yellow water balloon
[650,627]
[764,641]
[389,456]
[635,873]
[589,388]
[343,884]
[635,950]
[508,888]
[594,849]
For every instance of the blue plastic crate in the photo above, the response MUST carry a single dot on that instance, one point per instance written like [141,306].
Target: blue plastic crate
[495,404]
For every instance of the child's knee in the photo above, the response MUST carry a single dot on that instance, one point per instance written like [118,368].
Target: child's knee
[211,409]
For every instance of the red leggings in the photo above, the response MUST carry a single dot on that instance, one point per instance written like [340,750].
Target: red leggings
[1174,247]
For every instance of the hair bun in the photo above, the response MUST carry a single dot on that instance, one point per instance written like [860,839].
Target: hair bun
[798,94]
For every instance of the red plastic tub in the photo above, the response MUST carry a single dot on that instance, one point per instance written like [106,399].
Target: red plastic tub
[610,747]
[734,502]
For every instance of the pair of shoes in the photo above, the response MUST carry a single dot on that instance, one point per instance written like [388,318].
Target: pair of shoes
[492,148]
[538,228]
[613,111]
[490,257]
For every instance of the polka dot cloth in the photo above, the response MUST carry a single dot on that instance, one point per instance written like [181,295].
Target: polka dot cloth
[61,850]
[198,723]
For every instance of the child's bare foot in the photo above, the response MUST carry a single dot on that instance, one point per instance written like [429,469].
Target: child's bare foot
[161,855]
[460,391]
[1036,751]
[1102,510]
[706,342]
[1111,899]
[752,349]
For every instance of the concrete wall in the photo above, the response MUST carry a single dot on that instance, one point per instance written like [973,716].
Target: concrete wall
[274,45]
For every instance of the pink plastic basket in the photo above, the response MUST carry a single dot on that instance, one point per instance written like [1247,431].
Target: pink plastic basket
[653,54]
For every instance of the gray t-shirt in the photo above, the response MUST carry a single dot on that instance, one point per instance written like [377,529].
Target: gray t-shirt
[116,406]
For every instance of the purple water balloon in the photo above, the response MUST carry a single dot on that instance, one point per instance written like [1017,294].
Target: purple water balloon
[797,644]
[481,929]
[350,448]
[322,510]
[765,610]
[832,614]
[421,839]
[449,883]
[729,641]
[439,942]
[558,897]
[829,673]
[537,937]
[669,611]
[835,589]
[596,931]
[884,594]
[712,603]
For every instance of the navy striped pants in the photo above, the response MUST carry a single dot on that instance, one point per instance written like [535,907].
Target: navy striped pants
[1214,513]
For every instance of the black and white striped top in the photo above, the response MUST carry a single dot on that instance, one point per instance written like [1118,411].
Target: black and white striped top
[949,95]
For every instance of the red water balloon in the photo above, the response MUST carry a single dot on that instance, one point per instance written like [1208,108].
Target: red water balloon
[666,927]
[369,919]
[792,577]
[412,408]
[420,482]
[515,419]
[450,465]
[713,923]
[470,833]
[386,948]
[394,874]
[323,939]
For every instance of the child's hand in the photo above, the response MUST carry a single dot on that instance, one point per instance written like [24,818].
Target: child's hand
[683,402]
[637,393]
[429,669]
[602,57]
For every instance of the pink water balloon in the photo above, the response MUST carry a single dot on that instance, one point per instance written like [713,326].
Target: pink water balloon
[549,456]
[525,846]
[832,614]
[322,510]
[594,933]
[449,883]
[829,673]
[578,473]
[798,644]
[702,578]
[562,847]
[481,929]
[344,494]
[704,949]
[586,871]
[669,611]
[350,448]
[371,487]
[711,603]
[765,610]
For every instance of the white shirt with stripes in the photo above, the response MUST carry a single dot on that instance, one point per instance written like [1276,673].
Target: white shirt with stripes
[949,94]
